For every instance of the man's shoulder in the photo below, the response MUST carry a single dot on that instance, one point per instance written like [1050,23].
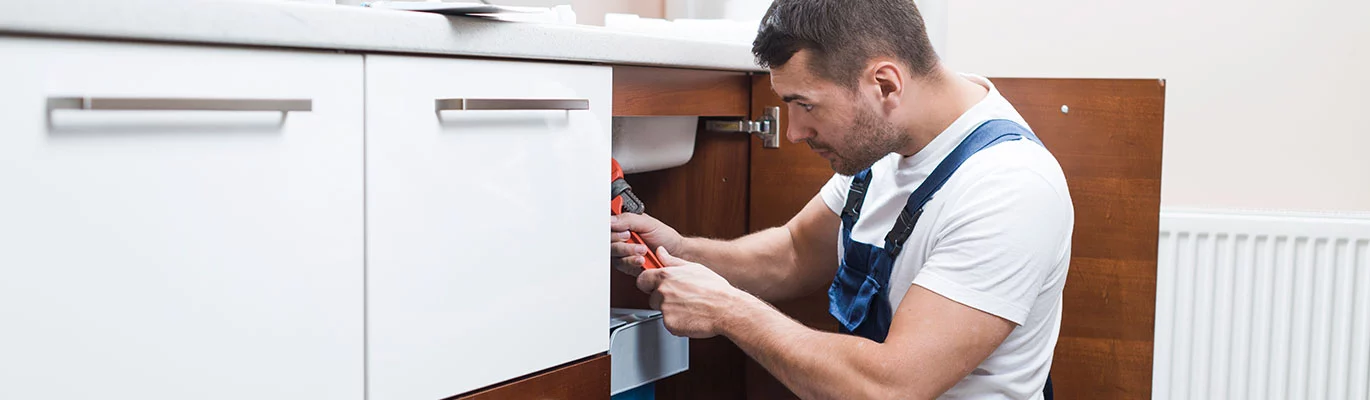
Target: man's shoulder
[1016,158]
[1019,171]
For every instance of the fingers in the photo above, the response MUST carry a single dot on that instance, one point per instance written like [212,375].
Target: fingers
[622,236]
[620,223]
[619,250]
[630,222]
[668,259]
[628,258]
[649,280]
[630,268]
[655,300]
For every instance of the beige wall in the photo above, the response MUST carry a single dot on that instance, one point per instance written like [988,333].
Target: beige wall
[1267,102]
[591,12]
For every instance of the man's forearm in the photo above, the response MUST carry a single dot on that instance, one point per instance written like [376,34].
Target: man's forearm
[763,263]
[814,364]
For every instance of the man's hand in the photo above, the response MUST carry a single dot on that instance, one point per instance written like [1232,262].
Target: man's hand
[628,257]
[693,299]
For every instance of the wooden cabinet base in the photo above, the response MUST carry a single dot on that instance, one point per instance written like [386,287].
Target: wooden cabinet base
[584,379]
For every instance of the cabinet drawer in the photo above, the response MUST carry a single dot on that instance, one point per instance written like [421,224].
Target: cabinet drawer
[486,258]
[169,253]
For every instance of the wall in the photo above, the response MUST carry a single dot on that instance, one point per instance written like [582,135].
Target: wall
[591,12]
[1267,103]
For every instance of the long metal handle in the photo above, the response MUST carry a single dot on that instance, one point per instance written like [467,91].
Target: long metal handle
[178,104]
[512,104]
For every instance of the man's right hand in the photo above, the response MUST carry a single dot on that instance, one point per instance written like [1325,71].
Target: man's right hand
[628,257]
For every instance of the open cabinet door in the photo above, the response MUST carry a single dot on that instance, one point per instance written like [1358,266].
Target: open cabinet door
[1109,145]
[783,181]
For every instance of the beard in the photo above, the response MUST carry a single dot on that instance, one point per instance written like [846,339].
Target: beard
[869,140]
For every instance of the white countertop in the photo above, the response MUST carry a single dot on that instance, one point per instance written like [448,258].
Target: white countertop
[349,28]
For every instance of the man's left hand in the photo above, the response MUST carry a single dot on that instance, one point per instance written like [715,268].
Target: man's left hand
[694,300]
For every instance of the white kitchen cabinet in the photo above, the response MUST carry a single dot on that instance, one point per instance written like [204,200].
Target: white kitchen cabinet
[486,257]
[175,254]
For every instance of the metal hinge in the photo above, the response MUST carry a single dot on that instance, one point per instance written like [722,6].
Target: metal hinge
[767,128]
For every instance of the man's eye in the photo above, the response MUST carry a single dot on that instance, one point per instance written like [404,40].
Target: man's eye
[807,107]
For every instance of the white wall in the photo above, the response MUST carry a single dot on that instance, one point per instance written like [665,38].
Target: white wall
[591,12]
[1267,103]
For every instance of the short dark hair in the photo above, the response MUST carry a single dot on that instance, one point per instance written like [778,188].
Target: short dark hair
[844,35]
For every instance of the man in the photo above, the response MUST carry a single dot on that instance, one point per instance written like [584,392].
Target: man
[944,237]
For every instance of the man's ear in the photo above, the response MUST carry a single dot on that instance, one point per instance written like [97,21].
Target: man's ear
[889,80]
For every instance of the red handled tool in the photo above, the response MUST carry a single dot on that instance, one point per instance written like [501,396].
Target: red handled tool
[623,200]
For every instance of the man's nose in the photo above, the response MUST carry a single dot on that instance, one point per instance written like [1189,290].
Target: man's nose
[798,132]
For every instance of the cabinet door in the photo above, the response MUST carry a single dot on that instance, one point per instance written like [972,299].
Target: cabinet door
[783,182]
[179,254]
[486,257]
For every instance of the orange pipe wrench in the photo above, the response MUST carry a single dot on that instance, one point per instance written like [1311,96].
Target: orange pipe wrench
[623,200]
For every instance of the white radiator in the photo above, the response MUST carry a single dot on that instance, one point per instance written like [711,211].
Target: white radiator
[1262,306]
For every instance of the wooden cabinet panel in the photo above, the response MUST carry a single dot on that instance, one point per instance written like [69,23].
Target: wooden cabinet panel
[1109,145]
[645,91]
[582,380]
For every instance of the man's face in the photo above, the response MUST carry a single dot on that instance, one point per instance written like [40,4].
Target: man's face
[844,126]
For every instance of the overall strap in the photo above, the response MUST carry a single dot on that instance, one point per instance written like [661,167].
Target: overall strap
[988,134]
[856,196]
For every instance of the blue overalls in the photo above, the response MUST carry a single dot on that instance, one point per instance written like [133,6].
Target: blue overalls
[859,295]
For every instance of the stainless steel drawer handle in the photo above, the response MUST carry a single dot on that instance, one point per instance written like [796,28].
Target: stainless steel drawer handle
[178,104]
[512,104]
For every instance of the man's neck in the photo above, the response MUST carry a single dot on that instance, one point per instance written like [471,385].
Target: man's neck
[942,99]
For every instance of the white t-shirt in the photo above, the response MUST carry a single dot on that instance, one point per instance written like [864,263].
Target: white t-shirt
[996,237]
